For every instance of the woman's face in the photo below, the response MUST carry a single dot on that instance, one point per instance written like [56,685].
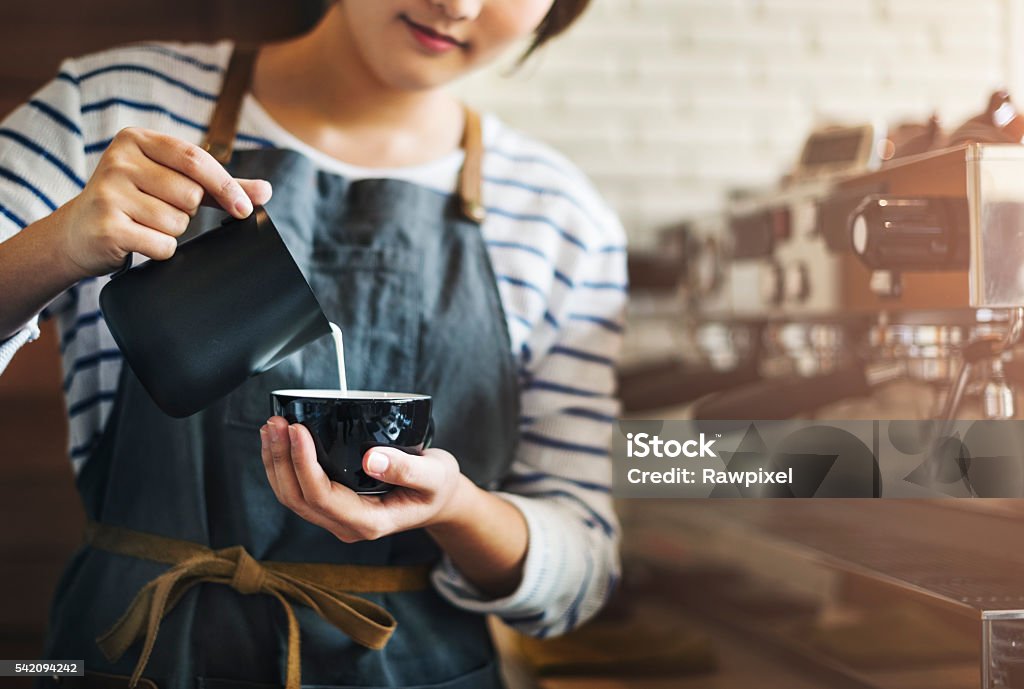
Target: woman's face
[417,44]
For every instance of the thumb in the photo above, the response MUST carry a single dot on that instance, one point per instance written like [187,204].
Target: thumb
[391,465]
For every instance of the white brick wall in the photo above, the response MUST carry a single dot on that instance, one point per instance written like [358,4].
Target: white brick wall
[667,104]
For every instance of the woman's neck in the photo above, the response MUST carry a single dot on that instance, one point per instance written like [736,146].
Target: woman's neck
[319,88]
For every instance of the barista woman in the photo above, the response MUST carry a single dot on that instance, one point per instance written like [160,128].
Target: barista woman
[461,258]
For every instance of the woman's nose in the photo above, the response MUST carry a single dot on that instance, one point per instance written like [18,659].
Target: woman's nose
[456,10]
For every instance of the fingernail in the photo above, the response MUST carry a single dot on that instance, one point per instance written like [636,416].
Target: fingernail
[273,434]
[263,433]
[243,206]
[377,463]
[293,434]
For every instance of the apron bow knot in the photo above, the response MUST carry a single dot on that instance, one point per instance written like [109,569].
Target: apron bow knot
[249,575]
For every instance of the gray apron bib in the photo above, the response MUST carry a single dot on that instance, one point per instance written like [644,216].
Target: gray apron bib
[407,276]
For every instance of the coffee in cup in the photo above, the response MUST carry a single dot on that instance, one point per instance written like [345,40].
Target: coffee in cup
[346,423]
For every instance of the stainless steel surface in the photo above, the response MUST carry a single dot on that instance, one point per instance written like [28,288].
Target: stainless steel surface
[723,346]
[996,200]
[996,383]
[805,348]
[929,352]
[998,398]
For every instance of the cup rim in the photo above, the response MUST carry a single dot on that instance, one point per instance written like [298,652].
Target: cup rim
[324,394]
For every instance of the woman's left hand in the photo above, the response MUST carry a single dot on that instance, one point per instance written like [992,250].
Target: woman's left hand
[427,492]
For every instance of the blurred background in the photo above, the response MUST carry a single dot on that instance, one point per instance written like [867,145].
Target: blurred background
[669,105]
[734,138]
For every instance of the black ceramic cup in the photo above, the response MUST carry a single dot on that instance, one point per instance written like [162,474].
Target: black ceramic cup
[345,424]
[229,304]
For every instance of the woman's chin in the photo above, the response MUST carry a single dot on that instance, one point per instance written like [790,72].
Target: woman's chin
[419,78]
[407,68]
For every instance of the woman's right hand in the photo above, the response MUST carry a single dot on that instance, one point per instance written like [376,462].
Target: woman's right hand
[145,189]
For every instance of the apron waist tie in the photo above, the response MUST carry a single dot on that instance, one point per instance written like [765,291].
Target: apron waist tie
[324,588]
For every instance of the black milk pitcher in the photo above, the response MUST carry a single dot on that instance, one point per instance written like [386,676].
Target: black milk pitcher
[229,304]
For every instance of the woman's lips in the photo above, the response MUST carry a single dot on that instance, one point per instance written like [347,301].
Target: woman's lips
[432,40]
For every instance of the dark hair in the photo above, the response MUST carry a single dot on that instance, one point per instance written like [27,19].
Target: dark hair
[559,18]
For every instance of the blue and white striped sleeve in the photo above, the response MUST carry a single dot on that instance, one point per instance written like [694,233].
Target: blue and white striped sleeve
[561,478]
[42,166]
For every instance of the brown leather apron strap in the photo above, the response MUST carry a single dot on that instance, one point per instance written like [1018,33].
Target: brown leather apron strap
[220,135]
[471,175]
[324,588]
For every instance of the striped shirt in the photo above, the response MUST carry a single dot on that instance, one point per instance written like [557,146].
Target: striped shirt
[559,261]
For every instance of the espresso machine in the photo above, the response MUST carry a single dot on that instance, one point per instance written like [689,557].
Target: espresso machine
[882,280]
[887,261]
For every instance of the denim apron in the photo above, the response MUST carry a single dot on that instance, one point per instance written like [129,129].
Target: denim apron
[405,272]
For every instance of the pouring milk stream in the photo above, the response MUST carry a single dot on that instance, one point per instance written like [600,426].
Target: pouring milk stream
[339,348]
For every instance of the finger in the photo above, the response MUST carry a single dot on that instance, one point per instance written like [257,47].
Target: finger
[151,212]
[149,242]
[288,491]
[259,192]
[170,186]
[268,462]
[393,466]
[199,166]
[313,482]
